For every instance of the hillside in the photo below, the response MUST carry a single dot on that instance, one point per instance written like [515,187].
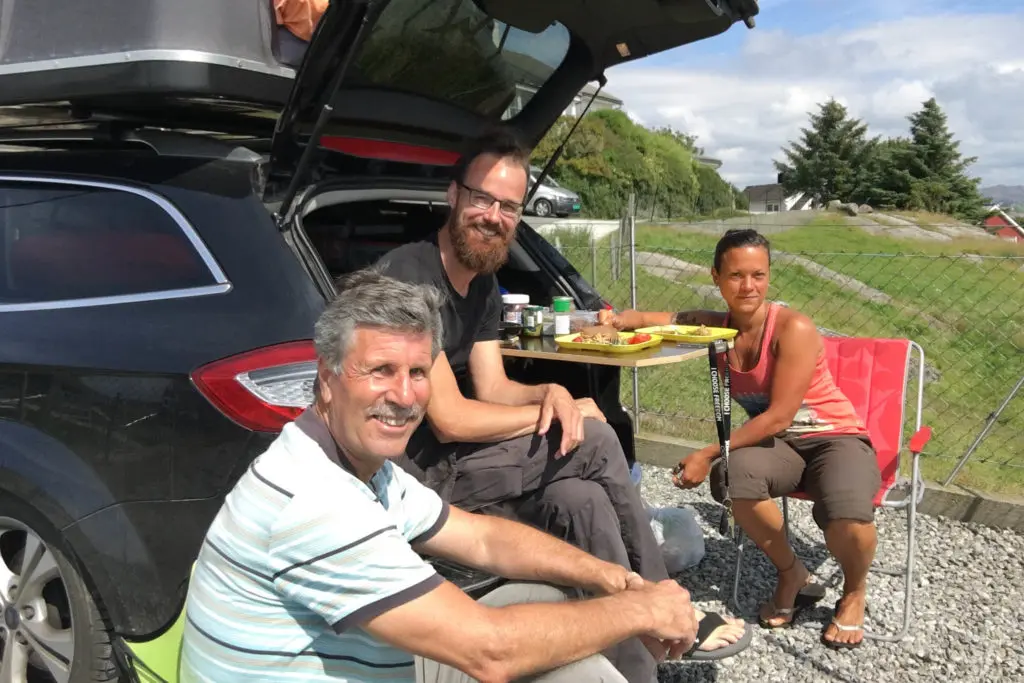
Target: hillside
[947,295]
[1006,195]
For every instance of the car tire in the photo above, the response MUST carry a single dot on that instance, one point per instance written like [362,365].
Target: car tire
[70,643]
[542,208]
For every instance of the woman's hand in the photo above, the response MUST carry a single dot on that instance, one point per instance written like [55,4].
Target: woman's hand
[624,320]
[694,468]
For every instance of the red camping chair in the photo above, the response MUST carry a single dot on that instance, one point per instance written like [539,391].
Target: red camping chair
[873,374]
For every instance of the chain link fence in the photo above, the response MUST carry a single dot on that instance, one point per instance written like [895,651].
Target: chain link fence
[967,312]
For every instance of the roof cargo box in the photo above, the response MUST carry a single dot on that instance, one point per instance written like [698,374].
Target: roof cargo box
[61,50]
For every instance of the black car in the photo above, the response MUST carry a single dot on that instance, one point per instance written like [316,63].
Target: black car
[174,208]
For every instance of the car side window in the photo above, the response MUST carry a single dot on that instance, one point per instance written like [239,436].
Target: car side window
[61,241]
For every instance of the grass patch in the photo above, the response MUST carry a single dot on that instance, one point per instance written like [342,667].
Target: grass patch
[965,311]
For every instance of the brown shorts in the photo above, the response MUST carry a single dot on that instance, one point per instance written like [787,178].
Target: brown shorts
[839,473]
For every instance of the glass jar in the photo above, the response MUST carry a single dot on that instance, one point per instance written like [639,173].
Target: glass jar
[512,314]
[533,321]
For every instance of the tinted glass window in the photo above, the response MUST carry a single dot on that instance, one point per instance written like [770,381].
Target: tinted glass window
[60,242]
[451,50]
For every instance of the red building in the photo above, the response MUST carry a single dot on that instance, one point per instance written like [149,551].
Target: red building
[1002,224]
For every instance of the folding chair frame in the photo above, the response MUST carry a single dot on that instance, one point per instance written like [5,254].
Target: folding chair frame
[914,488]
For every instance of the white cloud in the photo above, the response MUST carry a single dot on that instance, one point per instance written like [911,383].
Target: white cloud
[745,108]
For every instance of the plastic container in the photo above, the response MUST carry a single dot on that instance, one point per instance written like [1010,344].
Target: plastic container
[580,319]
[533,321]
[561,306]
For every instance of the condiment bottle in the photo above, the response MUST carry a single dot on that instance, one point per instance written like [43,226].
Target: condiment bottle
[561,305]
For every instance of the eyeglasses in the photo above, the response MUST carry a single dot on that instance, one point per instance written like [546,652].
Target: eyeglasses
[481,200]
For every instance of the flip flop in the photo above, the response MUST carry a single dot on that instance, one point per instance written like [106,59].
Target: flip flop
[808,596]
[844,629]
[707,626]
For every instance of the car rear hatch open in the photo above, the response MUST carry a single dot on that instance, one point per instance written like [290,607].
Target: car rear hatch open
[418,75]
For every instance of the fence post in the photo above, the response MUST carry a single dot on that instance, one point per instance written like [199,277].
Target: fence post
[630,226]
[984,432]
[593,259]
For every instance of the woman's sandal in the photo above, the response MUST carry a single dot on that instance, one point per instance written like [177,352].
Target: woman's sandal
[808,596]
[843,628]
[705,629]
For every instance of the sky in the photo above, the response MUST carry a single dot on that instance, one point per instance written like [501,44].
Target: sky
[746,93]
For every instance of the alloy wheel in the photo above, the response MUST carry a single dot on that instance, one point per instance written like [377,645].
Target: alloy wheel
[542,208]
[36,626]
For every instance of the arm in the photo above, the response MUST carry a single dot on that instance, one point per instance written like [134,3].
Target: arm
[631,320]
[455,418]
[500,644]
[492,385]
[496,545]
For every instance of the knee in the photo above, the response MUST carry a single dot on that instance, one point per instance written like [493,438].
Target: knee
[601,436]
[749,476]
[602,443]
[572,496]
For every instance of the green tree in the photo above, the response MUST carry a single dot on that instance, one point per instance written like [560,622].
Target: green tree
[831,158]
[936,168]
[887,182]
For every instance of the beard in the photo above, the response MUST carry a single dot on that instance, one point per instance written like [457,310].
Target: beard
[477,253]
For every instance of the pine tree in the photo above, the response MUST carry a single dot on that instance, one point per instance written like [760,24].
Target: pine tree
[830,161]
[936,168]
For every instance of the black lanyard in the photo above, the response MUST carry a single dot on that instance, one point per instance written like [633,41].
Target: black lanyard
[721,399]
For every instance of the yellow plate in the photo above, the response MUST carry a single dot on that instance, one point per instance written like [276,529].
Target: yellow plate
[685,333]
[566,342]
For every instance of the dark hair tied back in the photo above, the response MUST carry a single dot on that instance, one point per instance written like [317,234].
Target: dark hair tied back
[737,238]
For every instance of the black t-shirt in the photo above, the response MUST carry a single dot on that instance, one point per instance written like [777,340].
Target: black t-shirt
[467,319]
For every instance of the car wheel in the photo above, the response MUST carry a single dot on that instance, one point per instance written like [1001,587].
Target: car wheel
[51,630]
[542,207]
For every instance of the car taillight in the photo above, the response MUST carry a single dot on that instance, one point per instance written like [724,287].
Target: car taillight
[263,389]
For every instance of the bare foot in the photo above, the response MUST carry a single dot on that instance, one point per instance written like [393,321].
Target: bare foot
[849,612]
[722,636]
[790,582]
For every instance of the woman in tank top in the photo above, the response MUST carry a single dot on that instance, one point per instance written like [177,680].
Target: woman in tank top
[802,433]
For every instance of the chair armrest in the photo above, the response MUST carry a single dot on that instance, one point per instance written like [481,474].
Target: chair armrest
[920,439]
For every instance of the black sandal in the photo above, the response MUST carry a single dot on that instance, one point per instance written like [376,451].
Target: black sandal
[808,596]
[707,626]
[842,628]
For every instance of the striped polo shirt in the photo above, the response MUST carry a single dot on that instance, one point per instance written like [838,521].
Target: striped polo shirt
[300,555]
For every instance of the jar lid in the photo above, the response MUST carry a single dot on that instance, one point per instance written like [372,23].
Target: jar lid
[515,298]
[561,304]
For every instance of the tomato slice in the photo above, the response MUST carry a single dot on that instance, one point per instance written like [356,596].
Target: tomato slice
[639,339]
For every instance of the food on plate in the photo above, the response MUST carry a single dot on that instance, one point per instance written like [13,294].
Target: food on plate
[606,334]
[638,339]
[600,334]
[702,331]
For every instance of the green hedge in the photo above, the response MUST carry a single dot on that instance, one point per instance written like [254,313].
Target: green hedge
[609,156]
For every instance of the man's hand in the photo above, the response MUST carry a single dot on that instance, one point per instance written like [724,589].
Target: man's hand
[589,409]
[614,578]
[694,468]
[674,624]
[558,404]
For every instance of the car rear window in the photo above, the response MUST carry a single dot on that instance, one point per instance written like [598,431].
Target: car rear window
[451,50]
[62,242]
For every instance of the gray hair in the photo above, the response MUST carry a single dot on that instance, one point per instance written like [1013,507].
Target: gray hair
[368,298]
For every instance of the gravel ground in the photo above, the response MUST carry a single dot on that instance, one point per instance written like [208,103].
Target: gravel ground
[968,609]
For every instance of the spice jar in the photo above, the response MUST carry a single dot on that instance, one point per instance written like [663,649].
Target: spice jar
[561,306]
[512,313]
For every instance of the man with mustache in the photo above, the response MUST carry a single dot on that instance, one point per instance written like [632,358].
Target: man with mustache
[312,570]
[496,445]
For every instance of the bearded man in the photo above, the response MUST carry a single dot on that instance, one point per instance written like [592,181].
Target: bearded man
[492,444]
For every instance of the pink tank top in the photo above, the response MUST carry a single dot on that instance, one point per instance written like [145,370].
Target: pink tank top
[824,410]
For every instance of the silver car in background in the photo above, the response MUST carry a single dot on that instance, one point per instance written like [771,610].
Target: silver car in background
[551,198]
